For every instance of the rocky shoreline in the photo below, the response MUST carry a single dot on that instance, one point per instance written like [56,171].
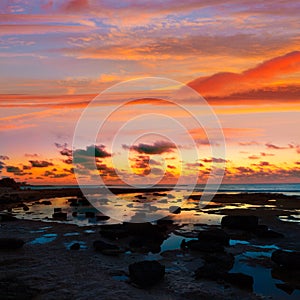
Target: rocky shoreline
[53,260]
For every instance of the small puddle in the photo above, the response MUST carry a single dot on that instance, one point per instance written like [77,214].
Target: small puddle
[44,239]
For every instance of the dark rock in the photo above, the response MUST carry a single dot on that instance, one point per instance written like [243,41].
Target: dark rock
[146,273]
[83,202]
[75,246]
[266,233]
[107,249]
[59,216]
[11,243]
[240,280]
[45,202]
[144,245]
[208,246]
[25,207]
[214,235]
[6,217]
[74,213]
[240,222]
[289,260]
[9,182]
[164,222]
[175,210]
[57,209]
[90,214]
[102,218]
[113,232]
[285,287]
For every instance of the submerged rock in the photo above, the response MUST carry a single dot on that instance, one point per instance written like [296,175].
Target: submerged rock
[246,222]
[11,243]
[146,273]
[286,259]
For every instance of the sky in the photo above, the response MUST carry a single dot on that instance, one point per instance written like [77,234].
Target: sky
[242,57]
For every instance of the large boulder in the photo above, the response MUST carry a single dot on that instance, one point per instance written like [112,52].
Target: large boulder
[146,273]
[11,243]
[246,222]
[286,259]
[262,231]
[214,235]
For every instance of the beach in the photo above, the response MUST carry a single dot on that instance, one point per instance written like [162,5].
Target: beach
[46,267]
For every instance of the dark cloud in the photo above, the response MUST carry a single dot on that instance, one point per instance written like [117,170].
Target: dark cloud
[266,154]
[40,163]
[214,160]
[275,147]
[4,157]
[171,167]
[253,157]
[248,143]
[93,151]
[31,155]
[156,148]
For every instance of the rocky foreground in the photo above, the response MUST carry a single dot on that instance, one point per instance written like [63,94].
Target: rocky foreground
[125,261]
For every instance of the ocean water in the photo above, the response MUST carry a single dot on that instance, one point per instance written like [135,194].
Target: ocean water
[284,188]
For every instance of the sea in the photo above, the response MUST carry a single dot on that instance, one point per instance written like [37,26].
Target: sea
[283,188]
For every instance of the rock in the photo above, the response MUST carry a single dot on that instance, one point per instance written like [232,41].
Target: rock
[75,246]
[240,222]
[12,288]
[285,287]
[11,243]
[215,266]
[83,202]
[113,232]
[59,216]
[90,214]
[145,245]
[146,273]
[107,249]
[74,213]
[57,209]
[262,231]
[45,202]
[6,217]
[208,246]
[25,207]
[175,210]
[164,222]
[286,259]
[240,280]
[102,218]
[214,235]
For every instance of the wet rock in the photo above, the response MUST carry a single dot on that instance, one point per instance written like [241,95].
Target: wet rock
[175,210]
[290,277]
[113,232]
[59,216]
[83,202]
[146,273]
[90,214]
[164,222]
[286,259]
[11,243]
[102,218]
[57,209]
[75,246]
[107,249]
[208,246]
[45,202]
[214,235]
[262,231]
[74,213]
[6,217]
[145,245]
[240,222]
[25,207]
[240,280]
[285,287]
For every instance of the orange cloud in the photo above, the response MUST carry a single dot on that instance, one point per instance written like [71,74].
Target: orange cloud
[226,83]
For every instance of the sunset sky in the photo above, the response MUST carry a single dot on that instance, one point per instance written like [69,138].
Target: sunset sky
[243,57]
